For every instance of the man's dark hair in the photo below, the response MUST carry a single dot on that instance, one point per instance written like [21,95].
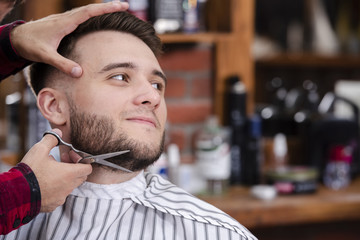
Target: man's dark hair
[17,2]
[118,21]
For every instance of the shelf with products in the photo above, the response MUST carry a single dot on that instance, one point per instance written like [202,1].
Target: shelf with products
[311,60]
[313,40]
[286,212]
[294,69]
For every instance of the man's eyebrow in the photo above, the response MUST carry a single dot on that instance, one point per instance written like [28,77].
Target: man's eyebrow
[130,65]
[112,66]
[161,75]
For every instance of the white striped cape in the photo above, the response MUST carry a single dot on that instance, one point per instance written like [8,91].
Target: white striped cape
[146,207]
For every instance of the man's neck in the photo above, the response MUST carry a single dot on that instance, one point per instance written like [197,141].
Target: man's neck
[101,175]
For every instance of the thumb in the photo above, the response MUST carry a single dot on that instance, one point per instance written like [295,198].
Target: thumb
[79,170]
[65,65]
[50,141]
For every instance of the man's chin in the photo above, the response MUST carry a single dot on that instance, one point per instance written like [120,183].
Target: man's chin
[147,142]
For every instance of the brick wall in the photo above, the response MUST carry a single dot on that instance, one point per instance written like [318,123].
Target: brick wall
[188,94]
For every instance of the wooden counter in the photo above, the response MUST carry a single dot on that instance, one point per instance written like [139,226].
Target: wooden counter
[321,207]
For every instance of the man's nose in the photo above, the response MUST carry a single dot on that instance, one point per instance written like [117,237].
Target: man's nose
[148,95]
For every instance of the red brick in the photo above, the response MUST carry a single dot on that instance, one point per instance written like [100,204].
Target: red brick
[175,88]
[186,59]
[177,136]
[187,158]
[201,88]
[194,112]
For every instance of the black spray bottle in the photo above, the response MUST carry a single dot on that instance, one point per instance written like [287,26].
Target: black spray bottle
[235,118]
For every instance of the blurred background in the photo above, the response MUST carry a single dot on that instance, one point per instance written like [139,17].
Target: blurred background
[263,108]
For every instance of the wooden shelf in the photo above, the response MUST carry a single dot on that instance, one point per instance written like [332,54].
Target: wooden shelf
[323,206]
[310,60]
[208,37]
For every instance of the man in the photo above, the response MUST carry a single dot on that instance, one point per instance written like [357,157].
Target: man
[39,183]
[118,104]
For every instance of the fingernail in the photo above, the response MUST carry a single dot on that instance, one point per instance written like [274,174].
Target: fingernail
[116,2]
[76,71]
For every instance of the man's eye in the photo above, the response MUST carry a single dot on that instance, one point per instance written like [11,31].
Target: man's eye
[157,86]
[121,77]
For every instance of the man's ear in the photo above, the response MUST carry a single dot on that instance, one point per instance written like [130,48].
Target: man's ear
[53,105]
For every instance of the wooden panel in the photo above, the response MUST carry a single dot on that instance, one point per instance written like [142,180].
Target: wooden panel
[36,9]
[217,15]
[233,56]
[70,4]
[324,206]
[311,60]
[211,37]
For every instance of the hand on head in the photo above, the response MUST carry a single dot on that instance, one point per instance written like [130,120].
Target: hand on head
[38,40]
[56,179]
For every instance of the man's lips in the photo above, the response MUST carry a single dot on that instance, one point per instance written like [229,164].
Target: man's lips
[143,120]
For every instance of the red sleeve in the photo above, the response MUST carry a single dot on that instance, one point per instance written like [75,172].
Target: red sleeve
[20,198]
[10,61]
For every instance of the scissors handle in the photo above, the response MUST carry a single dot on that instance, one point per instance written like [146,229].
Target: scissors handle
[62,142]
[88,158]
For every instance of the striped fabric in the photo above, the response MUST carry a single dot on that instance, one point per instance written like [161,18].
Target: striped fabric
[146,207]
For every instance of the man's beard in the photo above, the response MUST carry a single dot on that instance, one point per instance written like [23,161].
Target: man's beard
[97,135]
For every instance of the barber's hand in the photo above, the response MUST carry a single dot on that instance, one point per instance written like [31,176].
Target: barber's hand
[38,40]
[56,179]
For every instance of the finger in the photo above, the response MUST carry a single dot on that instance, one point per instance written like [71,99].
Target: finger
[74,157]
[64,157]
[70,157]
[75,171]
[81,14]
[79,170]
[65,65]
[50,141]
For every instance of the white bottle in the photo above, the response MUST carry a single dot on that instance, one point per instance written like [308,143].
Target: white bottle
[173,154]
[213,155]
[280,151]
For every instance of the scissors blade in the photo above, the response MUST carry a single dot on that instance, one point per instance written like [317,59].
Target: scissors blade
[108,155]
[109,164]
[91,158]
[100,159]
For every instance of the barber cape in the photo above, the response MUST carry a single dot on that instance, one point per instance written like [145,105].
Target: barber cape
[145,207]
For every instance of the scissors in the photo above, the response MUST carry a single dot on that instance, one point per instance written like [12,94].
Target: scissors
[88,158]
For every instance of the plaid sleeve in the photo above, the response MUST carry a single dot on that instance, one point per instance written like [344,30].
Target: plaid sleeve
[10,61]
[20,198]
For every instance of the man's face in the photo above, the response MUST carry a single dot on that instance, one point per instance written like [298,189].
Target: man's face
[118,103]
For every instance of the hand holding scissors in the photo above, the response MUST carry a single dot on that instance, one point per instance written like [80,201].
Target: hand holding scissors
[88,158]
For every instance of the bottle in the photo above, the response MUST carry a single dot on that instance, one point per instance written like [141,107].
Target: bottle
[173,154]
[235,118]
[251,170]
[139,8]
[213,155]
[280,149]
[161,166]
[191,16]
[337,174]
[166,15]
